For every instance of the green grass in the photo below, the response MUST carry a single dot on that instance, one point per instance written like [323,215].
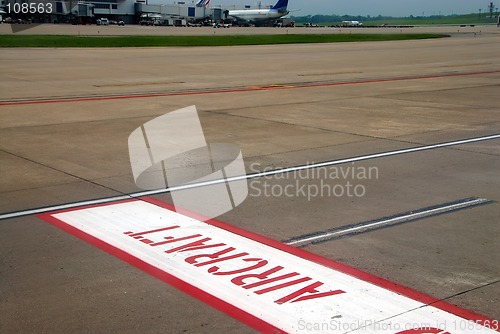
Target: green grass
[61,41]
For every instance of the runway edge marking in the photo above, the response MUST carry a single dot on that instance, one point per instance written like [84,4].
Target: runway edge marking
[264,283]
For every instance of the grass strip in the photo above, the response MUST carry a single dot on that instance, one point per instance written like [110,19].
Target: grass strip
[65,41]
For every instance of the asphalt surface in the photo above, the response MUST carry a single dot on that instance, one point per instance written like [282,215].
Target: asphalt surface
[94,30]
[66,114]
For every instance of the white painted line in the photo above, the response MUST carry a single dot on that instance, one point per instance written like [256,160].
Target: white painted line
[319,165]
[246,177]
[372,225]
[63,207]
[263,283]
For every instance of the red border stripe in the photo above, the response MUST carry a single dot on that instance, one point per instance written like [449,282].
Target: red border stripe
[239,90]
[230,309]
[191,290]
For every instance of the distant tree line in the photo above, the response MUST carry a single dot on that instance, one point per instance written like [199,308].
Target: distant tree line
[361,18]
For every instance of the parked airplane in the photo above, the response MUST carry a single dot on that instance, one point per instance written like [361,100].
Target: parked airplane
[352,23]
[260,16]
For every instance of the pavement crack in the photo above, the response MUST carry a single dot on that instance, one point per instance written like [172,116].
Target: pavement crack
[467,291]
[299,125]
[62,172]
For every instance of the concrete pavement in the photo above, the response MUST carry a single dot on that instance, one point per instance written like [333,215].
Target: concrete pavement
[66,115]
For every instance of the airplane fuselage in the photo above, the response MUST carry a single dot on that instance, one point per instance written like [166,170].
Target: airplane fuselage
[257,15]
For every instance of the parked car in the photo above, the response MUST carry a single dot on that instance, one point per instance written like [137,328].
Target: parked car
[103,22]
[221,25]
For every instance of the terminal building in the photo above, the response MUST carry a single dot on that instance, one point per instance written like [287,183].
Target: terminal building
[128,11]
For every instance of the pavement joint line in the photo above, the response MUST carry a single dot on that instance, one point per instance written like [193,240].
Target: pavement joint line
[245,177]
[398,219]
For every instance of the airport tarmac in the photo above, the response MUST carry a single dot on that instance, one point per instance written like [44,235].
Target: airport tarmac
[66,115]
[113,30]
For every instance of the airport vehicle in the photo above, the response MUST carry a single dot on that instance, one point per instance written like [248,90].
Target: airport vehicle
[118,23]
[151,19]
[260,16]
[103,22]
[221,25]
[352,23]
[285,22]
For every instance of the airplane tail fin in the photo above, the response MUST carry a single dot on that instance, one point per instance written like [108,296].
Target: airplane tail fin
[203,3]
[281,4]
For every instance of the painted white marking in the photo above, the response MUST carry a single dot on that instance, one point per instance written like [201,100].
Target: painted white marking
[245,177]
[284,290]
[321,164]
[373,225]
[63,207]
